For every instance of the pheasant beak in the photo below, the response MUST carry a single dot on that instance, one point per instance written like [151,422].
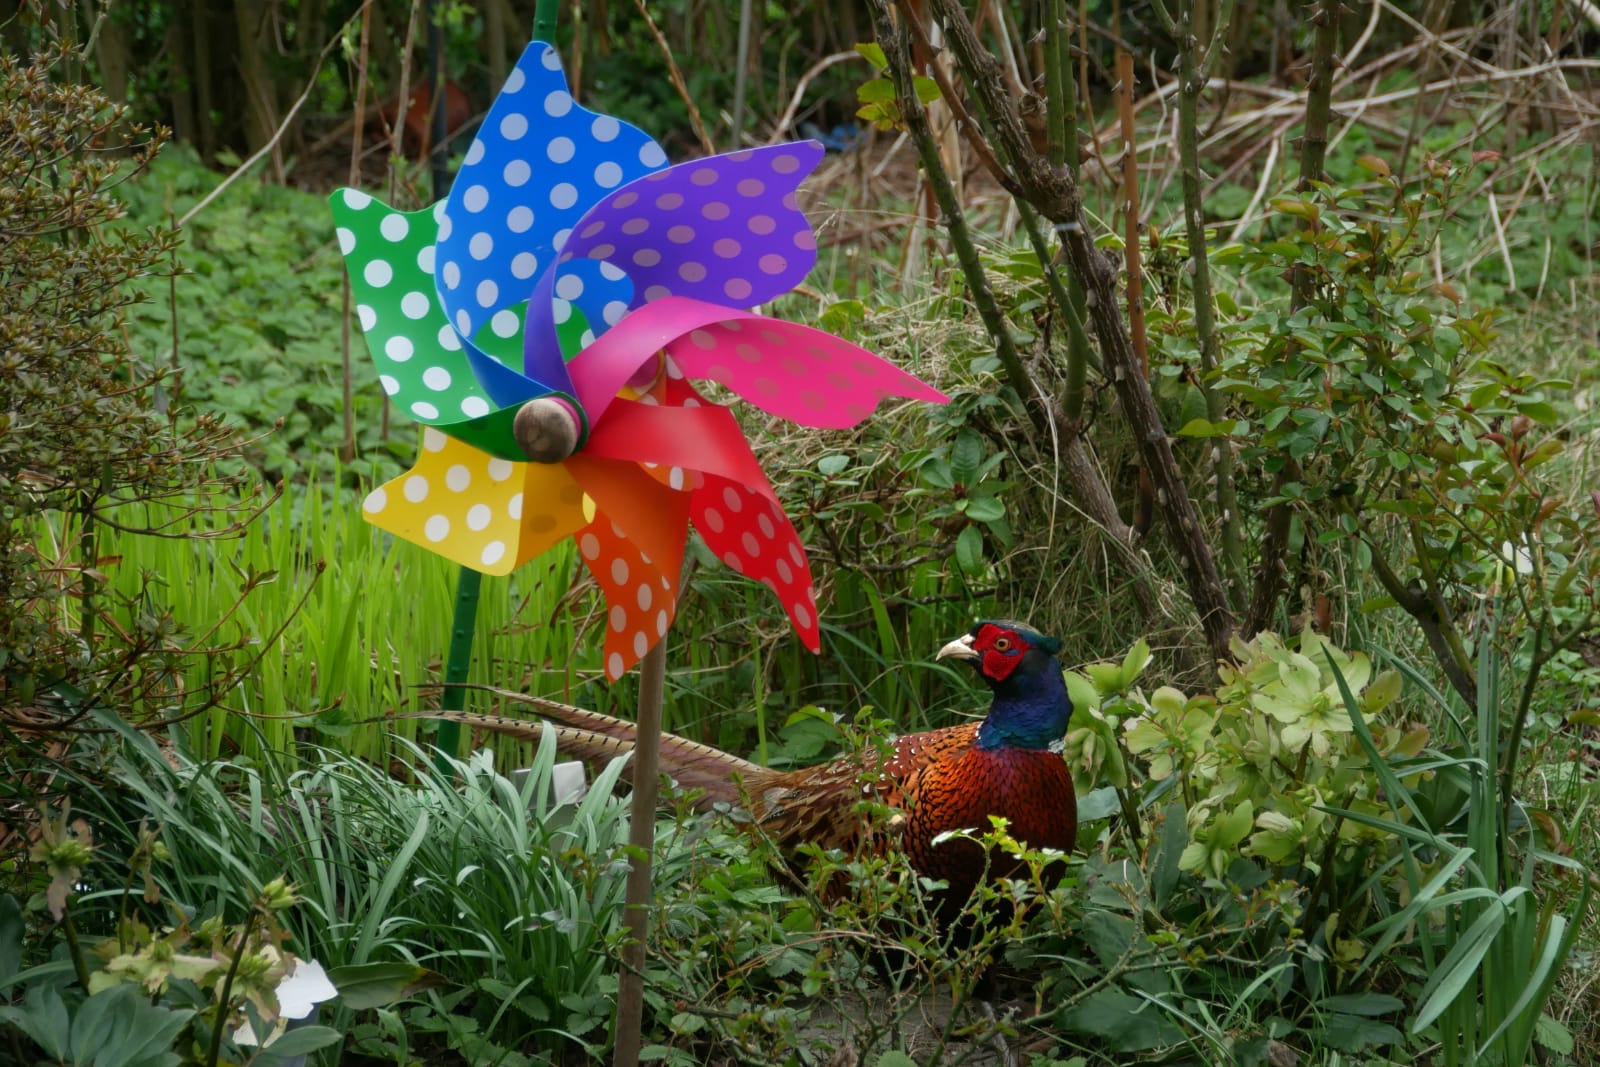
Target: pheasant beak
[960,648]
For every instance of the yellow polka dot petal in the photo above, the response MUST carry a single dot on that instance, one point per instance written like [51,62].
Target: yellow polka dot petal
[552,506]
[467,506]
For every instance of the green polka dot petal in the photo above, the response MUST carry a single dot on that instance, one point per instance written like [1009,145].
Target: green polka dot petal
[389,256]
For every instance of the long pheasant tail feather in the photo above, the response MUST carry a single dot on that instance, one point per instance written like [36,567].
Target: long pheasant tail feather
[584,744]
[691,764]
[590,735]
[567,714]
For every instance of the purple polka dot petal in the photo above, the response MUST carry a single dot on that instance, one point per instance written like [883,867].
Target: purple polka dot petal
[589,285]
[708,212]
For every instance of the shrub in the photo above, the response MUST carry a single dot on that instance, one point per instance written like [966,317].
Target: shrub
[84,427]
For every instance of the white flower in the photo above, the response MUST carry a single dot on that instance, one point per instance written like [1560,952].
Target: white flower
[304,987]
[1517,556]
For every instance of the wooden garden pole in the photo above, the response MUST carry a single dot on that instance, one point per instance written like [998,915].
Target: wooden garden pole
[641,842]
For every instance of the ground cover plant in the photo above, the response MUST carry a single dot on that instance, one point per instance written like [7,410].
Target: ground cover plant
[1367,318]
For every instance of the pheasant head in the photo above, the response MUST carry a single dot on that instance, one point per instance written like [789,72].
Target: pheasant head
[1031,706]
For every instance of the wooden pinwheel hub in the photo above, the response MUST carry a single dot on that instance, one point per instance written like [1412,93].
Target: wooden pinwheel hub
[546,429]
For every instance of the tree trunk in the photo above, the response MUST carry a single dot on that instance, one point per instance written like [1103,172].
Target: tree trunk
[112,49]
[494,44]
[181,80]
[204,100]
[261,94]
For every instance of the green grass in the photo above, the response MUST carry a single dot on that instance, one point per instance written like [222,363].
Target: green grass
[325,623]
[455,868]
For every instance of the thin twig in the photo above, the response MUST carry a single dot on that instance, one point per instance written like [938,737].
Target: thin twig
[787,118]
[706,144]
[277,135]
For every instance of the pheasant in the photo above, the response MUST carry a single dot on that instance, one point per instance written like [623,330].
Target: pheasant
[951,779]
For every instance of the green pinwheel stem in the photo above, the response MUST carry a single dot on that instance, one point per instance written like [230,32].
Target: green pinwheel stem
[545,13]
[457,662]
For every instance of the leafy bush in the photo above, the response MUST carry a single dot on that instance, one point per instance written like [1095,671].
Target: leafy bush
[1382,420]
[146,996]
[1309,858]
[84,425]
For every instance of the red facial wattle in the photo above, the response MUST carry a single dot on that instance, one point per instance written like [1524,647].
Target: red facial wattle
[1000,651]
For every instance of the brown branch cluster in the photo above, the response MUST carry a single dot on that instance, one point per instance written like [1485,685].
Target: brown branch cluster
[1054,194]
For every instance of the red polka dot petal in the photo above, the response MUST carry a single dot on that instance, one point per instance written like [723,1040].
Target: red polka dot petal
[641,594]
[746,528]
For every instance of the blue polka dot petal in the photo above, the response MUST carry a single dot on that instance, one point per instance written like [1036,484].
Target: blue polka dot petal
[539,161]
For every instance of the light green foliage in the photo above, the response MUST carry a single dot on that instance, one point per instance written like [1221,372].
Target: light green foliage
[467,891]
[113,1028]
[1256,761]
[255,318]
[162,988]
[877,97]
[1392,428]
[1301,801]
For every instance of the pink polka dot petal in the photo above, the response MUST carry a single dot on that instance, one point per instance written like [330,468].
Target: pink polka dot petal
[805,375]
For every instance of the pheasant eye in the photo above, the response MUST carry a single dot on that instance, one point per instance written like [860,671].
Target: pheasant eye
[1002,644]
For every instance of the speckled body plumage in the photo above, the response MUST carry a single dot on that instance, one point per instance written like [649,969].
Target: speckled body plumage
[1008,765]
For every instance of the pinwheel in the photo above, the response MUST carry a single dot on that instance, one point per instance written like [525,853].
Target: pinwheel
[545,322]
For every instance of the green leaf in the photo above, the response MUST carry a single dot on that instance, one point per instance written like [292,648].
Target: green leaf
[1552,1035]
[686,1022]
[10,938]
[873,54]
[876,91]
[1538,411]
[377,985]
[1164,868]
[831,465]
[1298,208]
[1233,827]
[132,1032]
[1484,395]
[1351,1033]
[303,1039]
[1098,804]
[1134,663]
[969,550]
[97,1016]
[985,509]
[1107,677]
[1207,428]
[896,1058]
[43,1017]
[1125,1023]
[927,89]
[1459,967]
[966,457]
[1362,1004]
[1081,691]
[936,474]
